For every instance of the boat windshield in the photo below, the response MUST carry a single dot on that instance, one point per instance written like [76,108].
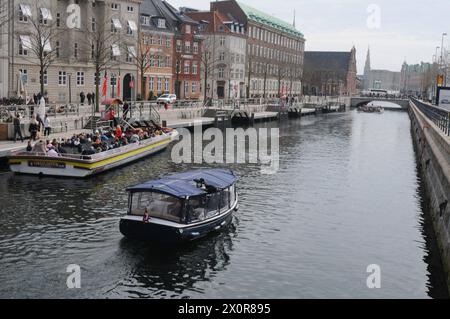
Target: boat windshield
[157,205]
[208,206]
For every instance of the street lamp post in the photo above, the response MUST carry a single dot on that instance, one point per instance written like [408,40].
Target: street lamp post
[442,47]
[70,87]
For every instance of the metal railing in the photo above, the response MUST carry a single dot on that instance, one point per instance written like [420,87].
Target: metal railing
[438,115]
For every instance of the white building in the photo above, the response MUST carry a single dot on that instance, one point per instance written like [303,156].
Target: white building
[72,71]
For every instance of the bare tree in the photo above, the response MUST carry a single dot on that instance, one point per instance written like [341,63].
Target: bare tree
[208,60]
[142,58]
[249,71]
[103,40]
[43,33]
[5,14]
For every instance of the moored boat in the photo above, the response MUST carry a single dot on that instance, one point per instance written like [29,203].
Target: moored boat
[181,207]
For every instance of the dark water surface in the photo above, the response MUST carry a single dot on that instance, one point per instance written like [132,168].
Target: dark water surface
[347,195]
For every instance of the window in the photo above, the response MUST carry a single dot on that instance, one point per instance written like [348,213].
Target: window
[222,41]
[194,68]
[221,72]
[161,23]
[75,50]
[113,81]
[115,25]
[24,75]
[57,49]
[145,20]
[151,84]
[187,67]
[178,45]
[44,16]
[159,84]
[62,78]
[115,6]
[159,42]
[58,19]
[24,45]
[45,77]
[222,56]
[188,29]
[186,87]
[194,87]
[93,25]
[24,12]
[168,42]
[166,85]
[187,47]
[130,9]
[80,78]
[195,47]
[157,205]
[131,54]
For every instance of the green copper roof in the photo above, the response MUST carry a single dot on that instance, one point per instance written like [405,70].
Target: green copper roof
[263,18]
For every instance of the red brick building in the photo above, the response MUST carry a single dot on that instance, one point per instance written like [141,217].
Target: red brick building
[186,55]
[330,73]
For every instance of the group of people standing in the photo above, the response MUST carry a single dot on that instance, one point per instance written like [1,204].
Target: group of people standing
[90,98]
[38,125]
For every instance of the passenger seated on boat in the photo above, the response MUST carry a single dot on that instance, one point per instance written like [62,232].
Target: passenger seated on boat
[39,147]
[134,138]
[52,153]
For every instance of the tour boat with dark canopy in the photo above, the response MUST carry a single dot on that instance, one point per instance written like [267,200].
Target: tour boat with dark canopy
[181,207]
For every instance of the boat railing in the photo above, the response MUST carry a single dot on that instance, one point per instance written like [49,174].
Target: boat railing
[97,156]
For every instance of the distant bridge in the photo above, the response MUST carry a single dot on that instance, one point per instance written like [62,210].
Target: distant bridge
[358,101]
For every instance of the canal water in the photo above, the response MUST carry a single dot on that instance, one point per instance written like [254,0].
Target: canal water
[347,195]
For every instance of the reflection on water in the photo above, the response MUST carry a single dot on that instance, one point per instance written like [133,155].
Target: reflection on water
[347,195]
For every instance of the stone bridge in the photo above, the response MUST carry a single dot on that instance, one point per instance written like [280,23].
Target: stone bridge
[360,101]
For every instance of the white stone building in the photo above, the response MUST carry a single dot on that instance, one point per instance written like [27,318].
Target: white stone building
[72,71]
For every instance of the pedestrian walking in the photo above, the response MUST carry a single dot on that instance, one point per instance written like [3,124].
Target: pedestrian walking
[82,97]
[89,98]
[47,126]
[17,128]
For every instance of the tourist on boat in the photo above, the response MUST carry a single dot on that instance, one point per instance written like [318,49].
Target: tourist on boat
[39,148]
[33,128]
[29,147]
[119,132]
[52,153]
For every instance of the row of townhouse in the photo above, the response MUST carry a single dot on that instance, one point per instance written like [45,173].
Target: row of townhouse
[148,48]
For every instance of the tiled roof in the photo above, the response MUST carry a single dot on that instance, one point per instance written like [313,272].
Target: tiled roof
[263,18]
[327,61]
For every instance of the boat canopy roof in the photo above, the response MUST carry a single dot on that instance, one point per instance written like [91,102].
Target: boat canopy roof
[185,184]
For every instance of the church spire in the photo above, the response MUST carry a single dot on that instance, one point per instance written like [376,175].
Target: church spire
[367,66]
[294,19]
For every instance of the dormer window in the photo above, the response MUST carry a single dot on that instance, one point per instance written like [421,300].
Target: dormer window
[145,20]
[162,23]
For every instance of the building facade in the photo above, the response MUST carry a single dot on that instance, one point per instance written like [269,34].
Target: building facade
[330,73]
[186,55]
[72,70]
[275,49]
[157,40]
[418,79]
[380,79]
[223,55]
[4,50]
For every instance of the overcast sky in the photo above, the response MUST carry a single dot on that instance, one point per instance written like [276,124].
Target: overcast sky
[404,29]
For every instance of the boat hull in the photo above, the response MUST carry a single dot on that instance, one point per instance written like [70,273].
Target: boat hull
[134,228]
[66,167]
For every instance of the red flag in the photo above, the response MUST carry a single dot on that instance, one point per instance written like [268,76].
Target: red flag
[131,84]
[118,87]
[105,85]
